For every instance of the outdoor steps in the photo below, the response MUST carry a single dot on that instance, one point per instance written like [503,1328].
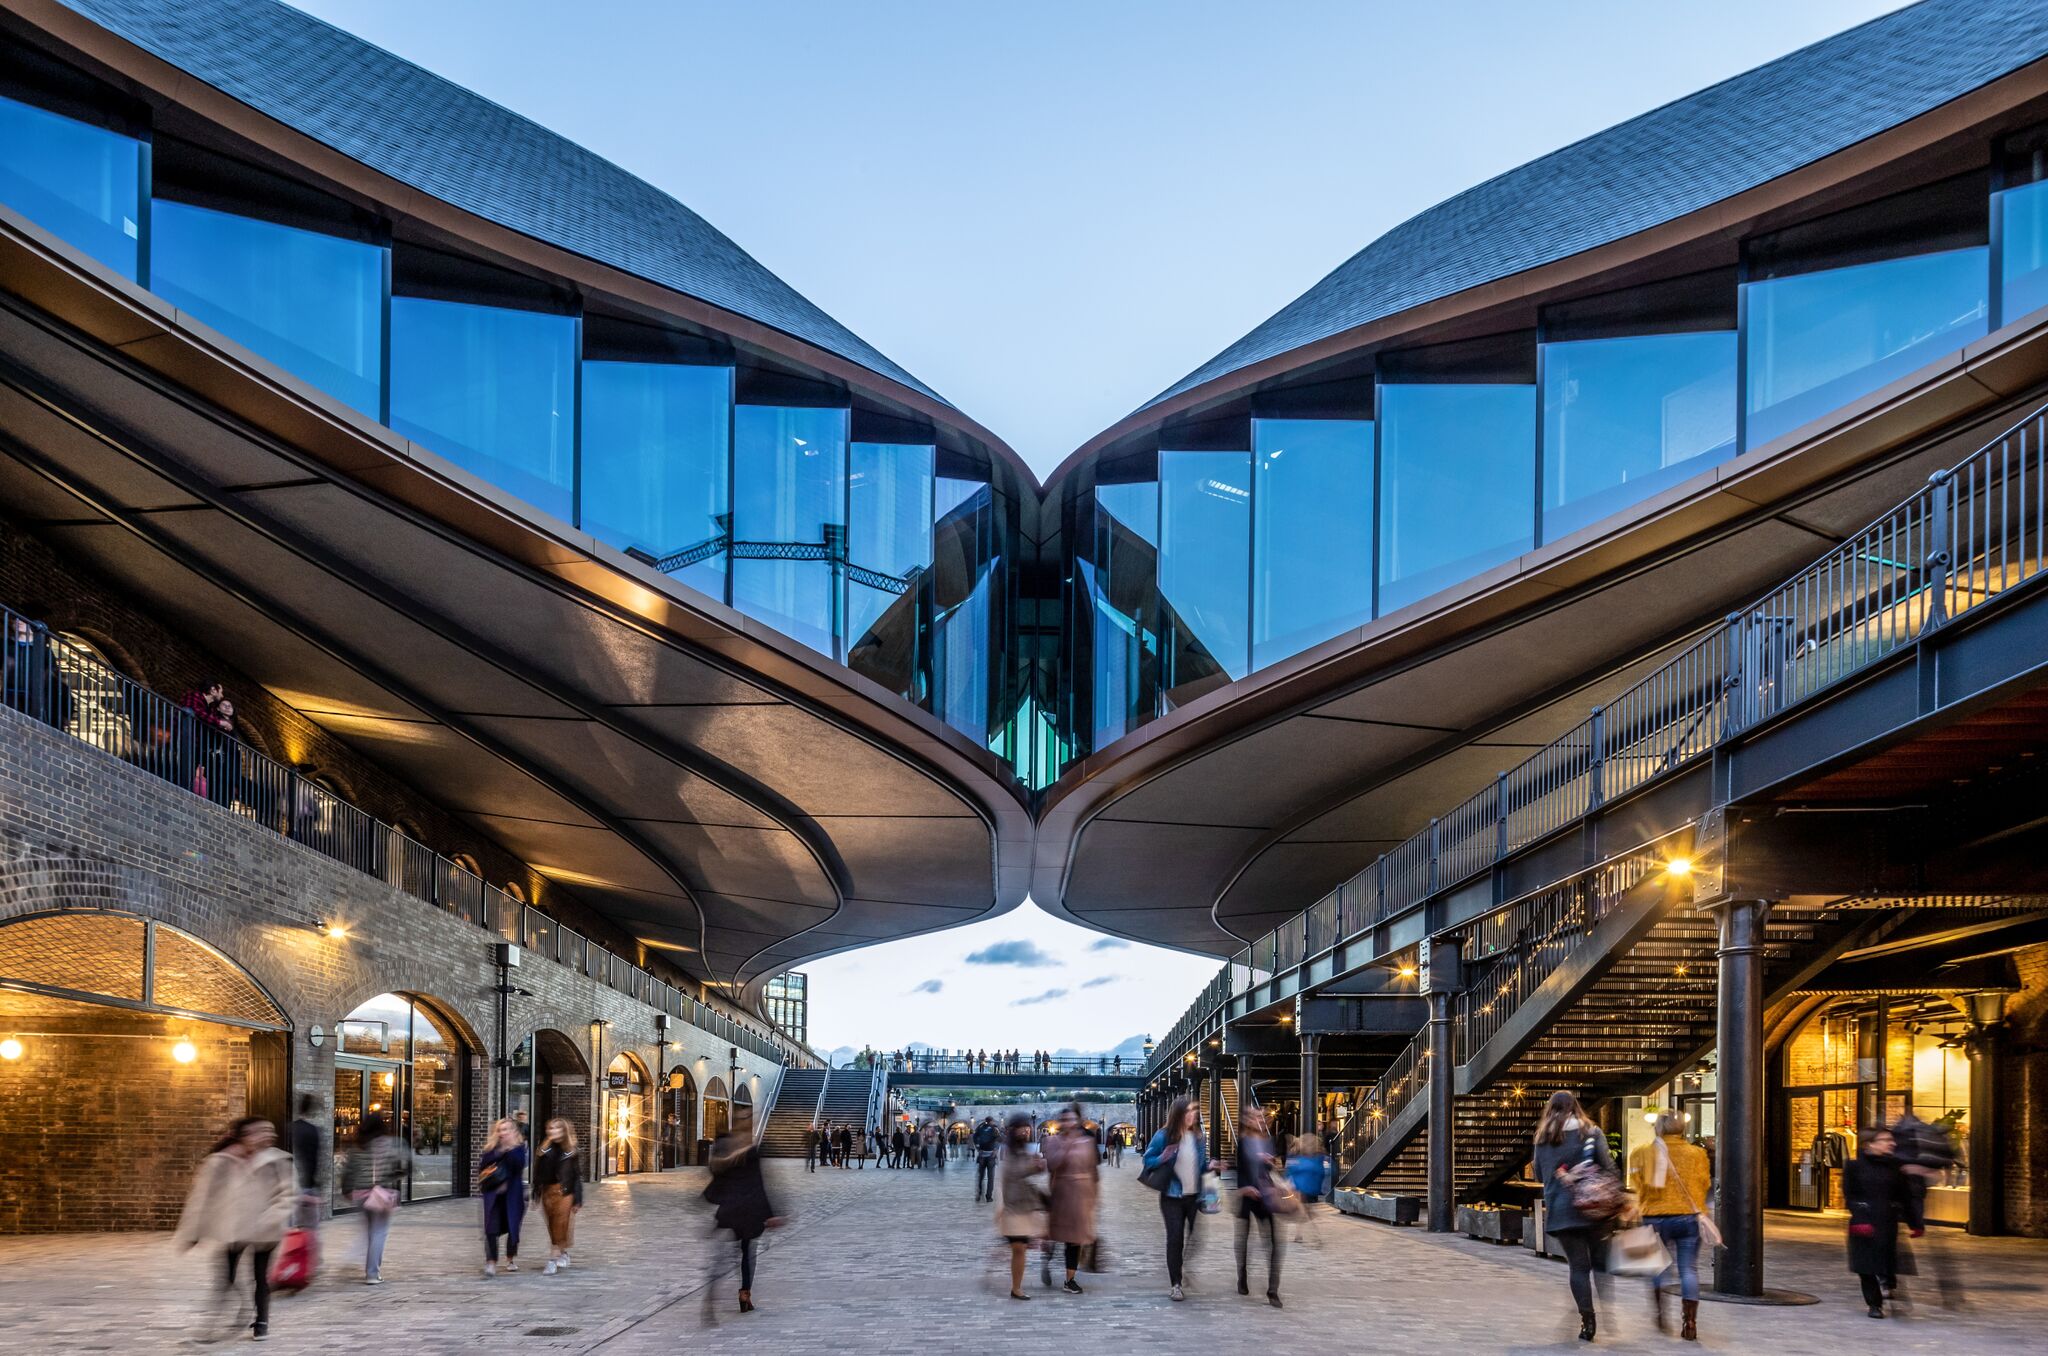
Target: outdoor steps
[796,1106]
[846,1100]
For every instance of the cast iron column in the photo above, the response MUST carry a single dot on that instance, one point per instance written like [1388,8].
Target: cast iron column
[1244,1087]
[1987,1171]
[1212,1114]
[1739,1104]
[1443,1208]
[1311,1120]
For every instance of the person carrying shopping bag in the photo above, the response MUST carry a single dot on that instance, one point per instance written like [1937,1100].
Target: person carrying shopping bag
[1671,1179]
[241,1199]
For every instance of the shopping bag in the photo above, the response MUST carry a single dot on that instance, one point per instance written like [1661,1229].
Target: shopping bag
[1637,1251]
[298,1257]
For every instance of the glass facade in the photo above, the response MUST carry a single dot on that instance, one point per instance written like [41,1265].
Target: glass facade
[1457,478]
[1172,565]
[1205,543]
[311,303]
[1626,417]
[491,389]
[657,443]
[789,472]
[1312,533]
[83,184]
[1817,341]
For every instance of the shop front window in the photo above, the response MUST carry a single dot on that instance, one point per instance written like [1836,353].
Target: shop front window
[399,1065]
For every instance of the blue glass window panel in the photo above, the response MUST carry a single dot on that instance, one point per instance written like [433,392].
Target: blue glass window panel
[1121,586]
[1205,542]
[81,183]
[656,438]
[961,657]
[1623,418]
[1135,505]
[1312,527]
[2023,250]
[492,390]
[1817,341]
[789,485]
[311,303]
[889,498]
[1457,484]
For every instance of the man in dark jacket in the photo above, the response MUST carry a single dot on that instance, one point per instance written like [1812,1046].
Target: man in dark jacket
[1874,1188]
[986,1139]
[309,1164]
[811,1148]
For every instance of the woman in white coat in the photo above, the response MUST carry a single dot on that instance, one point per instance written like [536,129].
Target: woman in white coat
[242,1200]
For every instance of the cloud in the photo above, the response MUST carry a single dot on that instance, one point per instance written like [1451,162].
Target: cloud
[1101,980]
[1108,944]
[1020,953]
[930,986]
[1048,996]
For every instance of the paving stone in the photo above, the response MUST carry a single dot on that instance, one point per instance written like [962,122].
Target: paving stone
[889,1260]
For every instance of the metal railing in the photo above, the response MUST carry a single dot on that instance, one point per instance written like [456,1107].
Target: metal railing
[1403,1081]
[980,1062]
[1975,530]
[70,688]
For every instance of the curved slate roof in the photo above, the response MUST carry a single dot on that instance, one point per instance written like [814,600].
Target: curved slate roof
[1655,168]
[429,133]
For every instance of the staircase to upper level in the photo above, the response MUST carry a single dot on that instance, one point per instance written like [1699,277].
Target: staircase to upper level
[795,1109]
[847,1099]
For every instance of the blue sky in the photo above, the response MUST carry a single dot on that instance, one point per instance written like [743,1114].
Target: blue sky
[1050,212]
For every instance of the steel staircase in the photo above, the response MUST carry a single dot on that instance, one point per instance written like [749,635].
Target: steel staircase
[1603,985]
[794,1109]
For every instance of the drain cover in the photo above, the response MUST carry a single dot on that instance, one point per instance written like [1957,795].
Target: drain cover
[552,1332]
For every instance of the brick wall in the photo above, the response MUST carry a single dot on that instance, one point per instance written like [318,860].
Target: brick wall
[103,1128]
[81,829]
[2023,1109]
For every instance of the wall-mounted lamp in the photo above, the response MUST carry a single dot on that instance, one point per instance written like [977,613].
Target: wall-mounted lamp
[184,1051]
[1678,868]
[11,1049]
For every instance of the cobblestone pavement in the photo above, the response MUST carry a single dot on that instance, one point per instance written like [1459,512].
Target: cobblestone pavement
[878,1261]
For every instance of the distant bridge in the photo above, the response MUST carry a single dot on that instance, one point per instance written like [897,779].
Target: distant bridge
[1056,1074]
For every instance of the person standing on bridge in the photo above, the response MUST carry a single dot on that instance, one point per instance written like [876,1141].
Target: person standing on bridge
[1020,1218]
[1176,1162]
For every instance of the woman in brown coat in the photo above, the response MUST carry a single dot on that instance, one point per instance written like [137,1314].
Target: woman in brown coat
[1071,1164]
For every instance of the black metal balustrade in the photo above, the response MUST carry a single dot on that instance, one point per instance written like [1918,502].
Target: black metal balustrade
[1974,531]
[63,685]
[961,1062]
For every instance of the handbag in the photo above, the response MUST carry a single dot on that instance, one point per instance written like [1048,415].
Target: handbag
[1637,1251]
[298,1257]
[1595,1193]
[380,1200]
[1155,1176]
[1710,1232]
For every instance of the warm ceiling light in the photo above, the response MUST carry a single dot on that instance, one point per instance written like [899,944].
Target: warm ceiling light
[10,1049]
[184,1052]
[1678,868]
[1406,972]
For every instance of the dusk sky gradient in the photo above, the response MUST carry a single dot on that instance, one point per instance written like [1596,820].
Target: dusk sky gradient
[1051,212]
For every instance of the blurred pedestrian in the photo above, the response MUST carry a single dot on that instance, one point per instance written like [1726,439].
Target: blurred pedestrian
[241,1199]
[1259,1197]
[1072,1166]
[811,1148]
[558,1186]
[1671,1179]
[309,1164]
[1575,1167]
[741,1195]
[1176,1163]
[1020,1217]
[376,1170]
[1308,1172]
[1879,1197]
[501,1181]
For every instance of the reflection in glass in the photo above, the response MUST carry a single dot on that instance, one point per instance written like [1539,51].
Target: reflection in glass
[311,303]
[655,441]
[789,486]
[81,183]
[436,1109]
[888,531]
[1457,483]
[493,390]
[1205,541]
[1817,341]
[1623,418]
[2023,250]
[963,562]
[1119,583]
[1311,533]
